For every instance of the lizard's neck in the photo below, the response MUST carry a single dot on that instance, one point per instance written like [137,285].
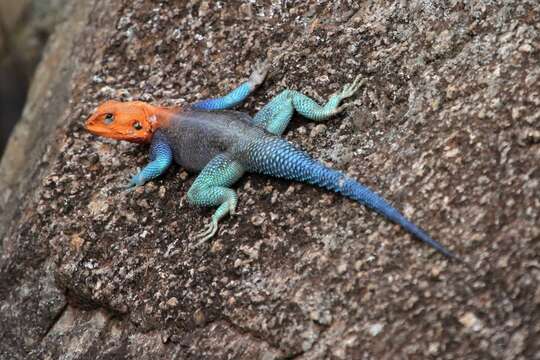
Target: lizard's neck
[159,116]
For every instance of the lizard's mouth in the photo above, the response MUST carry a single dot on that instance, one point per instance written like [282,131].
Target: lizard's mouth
[95,129]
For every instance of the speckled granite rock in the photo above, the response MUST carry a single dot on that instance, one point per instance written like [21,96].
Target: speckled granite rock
[447,129]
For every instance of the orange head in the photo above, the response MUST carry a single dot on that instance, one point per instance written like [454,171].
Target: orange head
[133,121]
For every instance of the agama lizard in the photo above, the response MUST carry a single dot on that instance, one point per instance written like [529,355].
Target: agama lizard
[222,145]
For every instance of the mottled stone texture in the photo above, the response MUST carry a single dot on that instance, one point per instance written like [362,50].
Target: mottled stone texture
[447,128]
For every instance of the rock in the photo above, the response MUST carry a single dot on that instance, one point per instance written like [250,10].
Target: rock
[89,272]
[172,302]
[375,329]
[317,130]
[470,321]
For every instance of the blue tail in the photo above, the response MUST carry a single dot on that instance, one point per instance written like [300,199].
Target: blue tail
[277,157]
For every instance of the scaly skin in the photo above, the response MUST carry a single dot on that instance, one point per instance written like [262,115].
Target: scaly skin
[223,145]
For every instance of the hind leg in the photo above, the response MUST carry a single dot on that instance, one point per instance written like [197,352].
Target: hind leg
[212,188]
[275,116]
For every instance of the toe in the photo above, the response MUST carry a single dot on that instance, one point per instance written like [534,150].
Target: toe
[260,70]
[207,234]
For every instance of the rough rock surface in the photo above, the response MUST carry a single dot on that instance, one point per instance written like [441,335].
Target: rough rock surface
[447,128]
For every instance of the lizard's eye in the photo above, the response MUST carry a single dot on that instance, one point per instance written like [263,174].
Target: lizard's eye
[109,118]
[137,125]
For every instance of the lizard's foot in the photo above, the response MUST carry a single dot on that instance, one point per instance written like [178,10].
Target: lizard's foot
[349,89]
[260,70]
[208,232]
[134,183]
[129,188]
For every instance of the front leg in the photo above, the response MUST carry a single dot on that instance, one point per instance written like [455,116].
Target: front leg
[239,94]
[212,188]
[160,159]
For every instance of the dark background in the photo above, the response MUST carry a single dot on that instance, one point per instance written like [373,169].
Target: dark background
[25,26]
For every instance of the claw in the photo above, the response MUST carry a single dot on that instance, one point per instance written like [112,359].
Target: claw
[133,184]
[350,89]
[344,106]
[208,232]
[260,70]
[262,67]
[130,187]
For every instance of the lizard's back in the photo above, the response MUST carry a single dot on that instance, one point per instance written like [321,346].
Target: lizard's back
[196,137]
